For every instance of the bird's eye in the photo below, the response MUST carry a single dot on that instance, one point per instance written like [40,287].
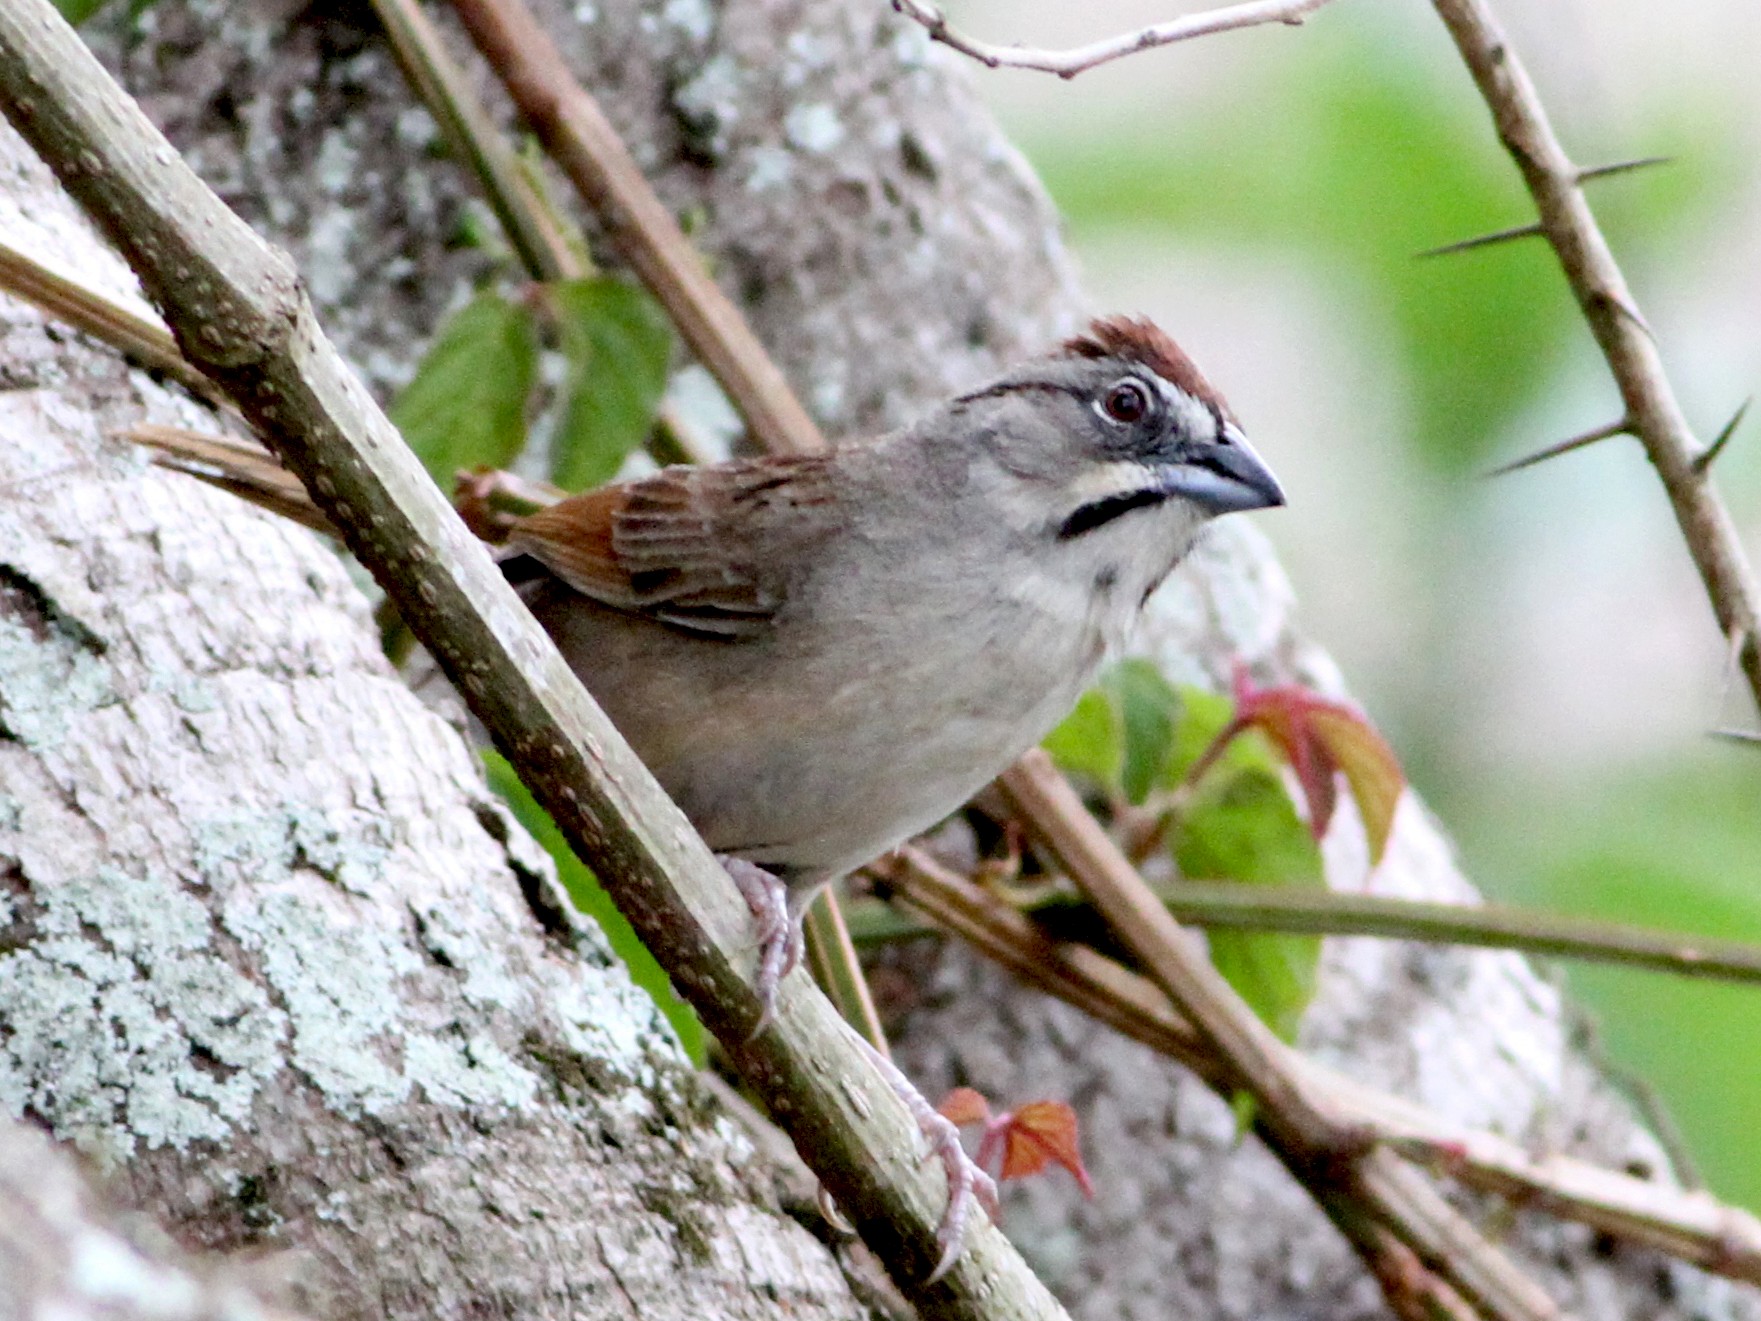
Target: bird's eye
[1126,401]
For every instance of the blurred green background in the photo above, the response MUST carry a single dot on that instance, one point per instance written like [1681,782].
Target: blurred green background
[1537,646]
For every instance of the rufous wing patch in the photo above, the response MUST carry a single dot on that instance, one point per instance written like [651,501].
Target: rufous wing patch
[709,550]
[574,540]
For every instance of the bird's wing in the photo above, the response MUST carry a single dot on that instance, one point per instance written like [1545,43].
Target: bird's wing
[709,550]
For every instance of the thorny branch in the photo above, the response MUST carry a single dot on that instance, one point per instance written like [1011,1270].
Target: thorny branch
[1652,411]
[1409,1231]
[1079,59]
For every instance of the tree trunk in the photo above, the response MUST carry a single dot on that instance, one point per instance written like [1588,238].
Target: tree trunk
[280,960]
[275,956]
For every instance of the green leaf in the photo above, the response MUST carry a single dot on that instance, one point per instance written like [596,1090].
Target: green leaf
[466,407]
[1203,714]
[78,11]
[618,343]
[1272,971]
[1091,740]
[1243,826]
[1122,730]
[591,899]
[1149,709]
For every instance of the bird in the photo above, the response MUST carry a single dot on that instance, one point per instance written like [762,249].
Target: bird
[820,656]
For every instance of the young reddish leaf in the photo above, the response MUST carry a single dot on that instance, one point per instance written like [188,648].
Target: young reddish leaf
[1370,768]
[963,1106]
[1039,1133]
[1017,1143]
[1320,739]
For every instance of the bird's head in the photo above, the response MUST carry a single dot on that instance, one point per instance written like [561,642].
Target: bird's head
[1117,422]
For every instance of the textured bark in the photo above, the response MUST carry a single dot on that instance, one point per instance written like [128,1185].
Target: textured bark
[64,1254]
[890,247]
[274,956]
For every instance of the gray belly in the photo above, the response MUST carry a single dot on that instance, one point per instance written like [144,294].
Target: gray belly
[820,762]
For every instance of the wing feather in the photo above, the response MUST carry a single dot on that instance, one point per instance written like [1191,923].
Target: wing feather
[709,550]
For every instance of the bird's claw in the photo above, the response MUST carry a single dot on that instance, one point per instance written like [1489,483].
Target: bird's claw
[779,934]
[967,1183]
[780,945]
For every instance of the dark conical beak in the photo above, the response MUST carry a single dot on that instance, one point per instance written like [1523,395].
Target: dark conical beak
[1224,476]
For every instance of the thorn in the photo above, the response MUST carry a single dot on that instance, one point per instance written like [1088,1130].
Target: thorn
[1526,231]
[1623,167]
[1620,428]
[1735,736]
[1483,240]
[1631,314]
[1735,640]
[1704,461]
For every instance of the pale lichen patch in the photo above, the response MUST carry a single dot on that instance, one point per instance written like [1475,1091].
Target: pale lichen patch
[123,1027]
[813,127]
[345,986]
[49,676]
[337,983]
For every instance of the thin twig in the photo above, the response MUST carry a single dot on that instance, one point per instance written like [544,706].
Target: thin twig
[1601,290]
[579,138]
[832,956]
[536,233]
[236,306]
[1334,913]
[1620,428]
[1069,63]
[243,469]
[1687,1224]
[84,308]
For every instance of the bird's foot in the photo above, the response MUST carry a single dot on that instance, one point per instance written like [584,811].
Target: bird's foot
[967,1183]
[778,931]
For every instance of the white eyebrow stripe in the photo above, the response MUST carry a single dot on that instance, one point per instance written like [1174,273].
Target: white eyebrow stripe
[1196,418]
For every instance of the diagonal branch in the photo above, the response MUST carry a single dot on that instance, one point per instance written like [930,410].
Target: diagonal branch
[1079,59]
[238,313]
[1651,408]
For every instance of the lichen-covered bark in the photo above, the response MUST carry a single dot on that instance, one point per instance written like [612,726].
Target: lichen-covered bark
[272,956]
[889,246]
